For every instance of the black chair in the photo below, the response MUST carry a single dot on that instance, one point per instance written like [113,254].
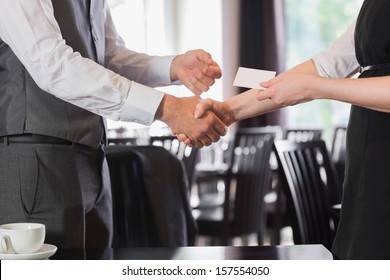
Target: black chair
[150,196]
[124,136]
[303,134]
[246,182]
[188,155]
[133,219]
[210,174]
[311,188]
[277,216]
[123,141]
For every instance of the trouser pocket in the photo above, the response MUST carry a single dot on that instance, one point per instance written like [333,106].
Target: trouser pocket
[28,177]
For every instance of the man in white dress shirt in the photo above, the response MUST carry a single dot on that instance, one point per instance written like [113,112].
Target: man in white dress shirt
[63,69]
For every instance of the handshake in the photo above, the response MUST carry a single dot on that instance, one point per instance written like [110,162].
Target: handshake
[194,124]
[199,122]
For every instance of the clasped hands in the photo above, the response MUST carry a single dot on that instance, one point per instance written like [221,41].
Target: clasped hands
[197,71]
[199,122]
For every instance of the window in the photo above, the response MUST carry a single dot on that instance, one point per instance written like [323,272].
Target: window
[165,27]
[312,25]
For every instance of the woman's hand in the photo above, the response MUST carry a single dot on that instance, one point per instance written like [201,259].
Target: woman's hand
[288,89]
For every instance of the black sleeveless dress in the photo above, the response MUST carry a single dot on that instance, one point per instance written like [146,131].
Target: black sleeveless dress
[364,229]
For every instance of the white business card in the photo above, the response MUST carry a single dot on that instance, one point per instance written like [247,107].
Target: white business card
[251,78]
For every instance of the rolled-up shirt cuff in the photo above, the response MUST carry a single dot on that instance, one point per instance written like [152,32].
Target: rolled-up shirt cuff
[141,104]
[321,63]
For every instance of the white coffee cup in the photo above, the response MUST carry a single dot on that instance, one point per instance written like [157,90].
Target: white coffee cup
[21,238]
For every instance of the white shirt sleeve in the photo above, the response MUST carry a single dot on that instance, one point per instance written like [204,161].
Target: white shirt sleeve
[339,60]
[142,68]
[30,29]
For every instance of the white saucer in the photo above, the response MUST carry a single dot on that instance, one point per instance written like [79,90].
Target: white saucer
[46,251]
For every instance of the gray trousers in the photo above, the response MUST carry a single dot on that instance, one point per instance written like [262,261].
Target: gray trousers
[67,188]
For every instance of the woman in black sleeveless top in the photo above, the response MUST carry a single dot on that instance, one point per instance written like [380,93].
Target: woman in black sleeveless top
[364,231]
[364,228]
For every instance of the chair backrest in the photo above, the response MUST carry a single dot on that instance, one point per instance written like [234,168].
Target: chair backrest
[276,130]
[134,224]
[188,155]
[150,198]
[122,141]
[311,188]
[248,179]
[303,134]
[124,136]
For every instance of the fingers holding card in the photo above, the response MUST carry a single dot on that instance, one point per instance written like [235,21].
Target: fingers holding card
[251,78]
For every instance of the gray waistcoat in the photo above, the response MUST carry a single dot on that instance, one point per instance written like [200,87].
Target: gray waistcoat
[25,108]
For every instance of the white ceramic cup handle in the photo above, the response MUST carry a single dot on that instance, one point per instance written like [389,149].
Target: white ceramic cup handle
[5,245]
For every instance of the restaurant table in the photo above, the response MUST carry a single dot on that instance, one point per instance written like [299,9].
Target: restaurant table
[286,252]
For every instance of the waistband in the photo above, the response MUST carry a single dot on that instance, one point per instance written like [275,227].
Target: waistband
[33,139]
[374,67]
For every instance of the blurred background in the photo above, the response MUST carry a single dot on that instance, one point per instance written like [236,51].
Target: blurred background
[268,34]
[263,34]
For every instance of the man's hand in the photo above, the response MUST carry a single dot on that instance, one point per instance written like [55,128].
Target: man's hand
[220,109]
[196,70]
[178,114]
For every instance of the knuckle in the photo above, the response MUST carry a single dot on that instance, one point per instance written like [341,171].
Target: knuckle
[207,142]
[193,79]
[216,138]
